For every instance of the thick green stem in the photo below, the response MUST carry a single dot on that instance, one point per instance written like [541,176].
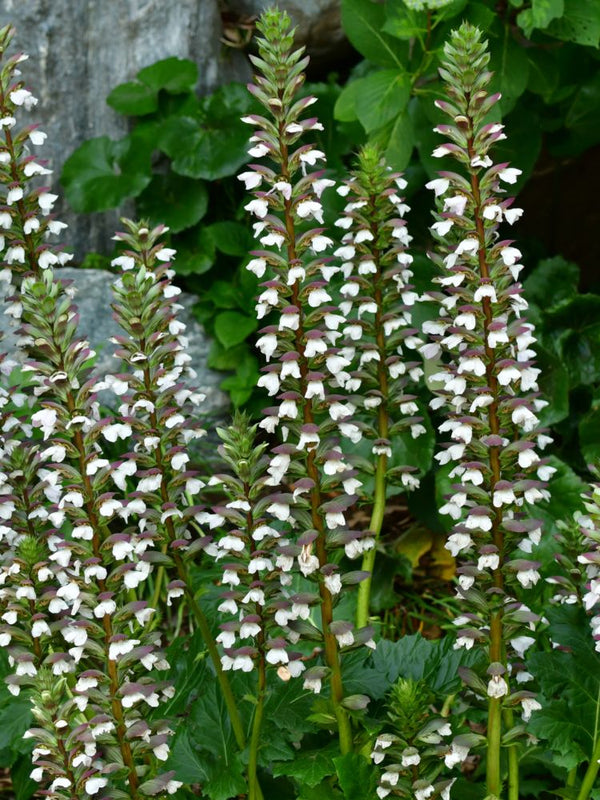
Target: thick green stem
[204,627]
[591,773]
[494,734]
[379,497]
[364,588]
[254,792]
[513,759]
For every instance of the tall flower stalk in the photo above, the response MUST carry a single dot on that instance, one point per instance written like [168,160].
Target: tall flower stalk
[161,405]
[377,299]
[486,386]
[302,343]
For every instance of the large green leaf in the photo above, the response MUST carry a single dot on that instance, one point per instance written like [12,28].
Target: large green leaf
[356,777]
[102,173]
[580,23]
[381,96]
[435,662]
[554,386]
[401,142]
[308,767]
[510,65]
[232,238]
[345,106]
[196,251]
[570,682]
[233,327]
[174,75]
[583,116]
[574,328]
[540,15]
[133,98]
[174,200]
[551,282]
[404,22]
[213,145]
[363,22]
[589,434]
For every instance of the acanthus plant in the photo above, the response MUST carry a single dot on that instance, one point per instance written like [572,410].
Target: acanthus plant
[486,386]
[101,516]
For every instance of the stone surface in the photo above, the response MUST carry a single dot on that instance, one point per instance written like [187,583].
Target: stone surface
[93,299]
[318,24]
[81,49]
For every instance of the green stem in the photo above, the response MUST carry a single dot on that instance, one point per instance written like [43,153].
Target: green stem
[253,785]
[590,774]
[494,726]
[571,777]
[513,760]
[204,627]
[368,562]
[494,734]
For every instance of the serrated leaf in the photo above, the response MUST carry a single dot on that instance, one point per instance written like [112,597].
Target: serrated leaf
[233,327]
[363,21]
[174,200]
[174,75]
[380,97]
[102,173]
[308,768]
[133,99]
[570,682]
[356,777]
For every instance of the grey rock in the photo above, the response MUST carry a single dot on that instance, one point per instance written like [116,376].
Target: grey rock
[318,22]
[93,299]
[81,49]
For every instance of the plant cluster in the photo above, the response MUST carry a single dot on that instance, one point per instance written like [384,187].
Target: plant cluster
[169,633]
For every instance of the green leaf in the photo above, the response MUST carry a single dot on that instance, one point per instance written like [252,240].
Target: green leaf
[15,719]
[574,328]
[102,173]
[509,62]
[232,238]
[583,116]
[356,776]
[551,282]
[570,683]
[345,106]
[187,658]
[404,22]
[187,761]
[174,75]
[196,252]
[232,327]
[540,15]
[363,21]
[309,768]
[133,98]
[401,142]
[554,386]
[589,434]
[173,200]
[22,785]
[580,23]
[213,146]
[435,662]
[380,97]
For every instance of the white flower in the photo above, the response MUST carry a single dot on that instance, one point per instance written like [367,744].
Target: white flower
[528,577]
[251,179]
[497,687]
[258,207]
[529,704]
[509,174]
[93,785]
[438,185]
[311,157]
